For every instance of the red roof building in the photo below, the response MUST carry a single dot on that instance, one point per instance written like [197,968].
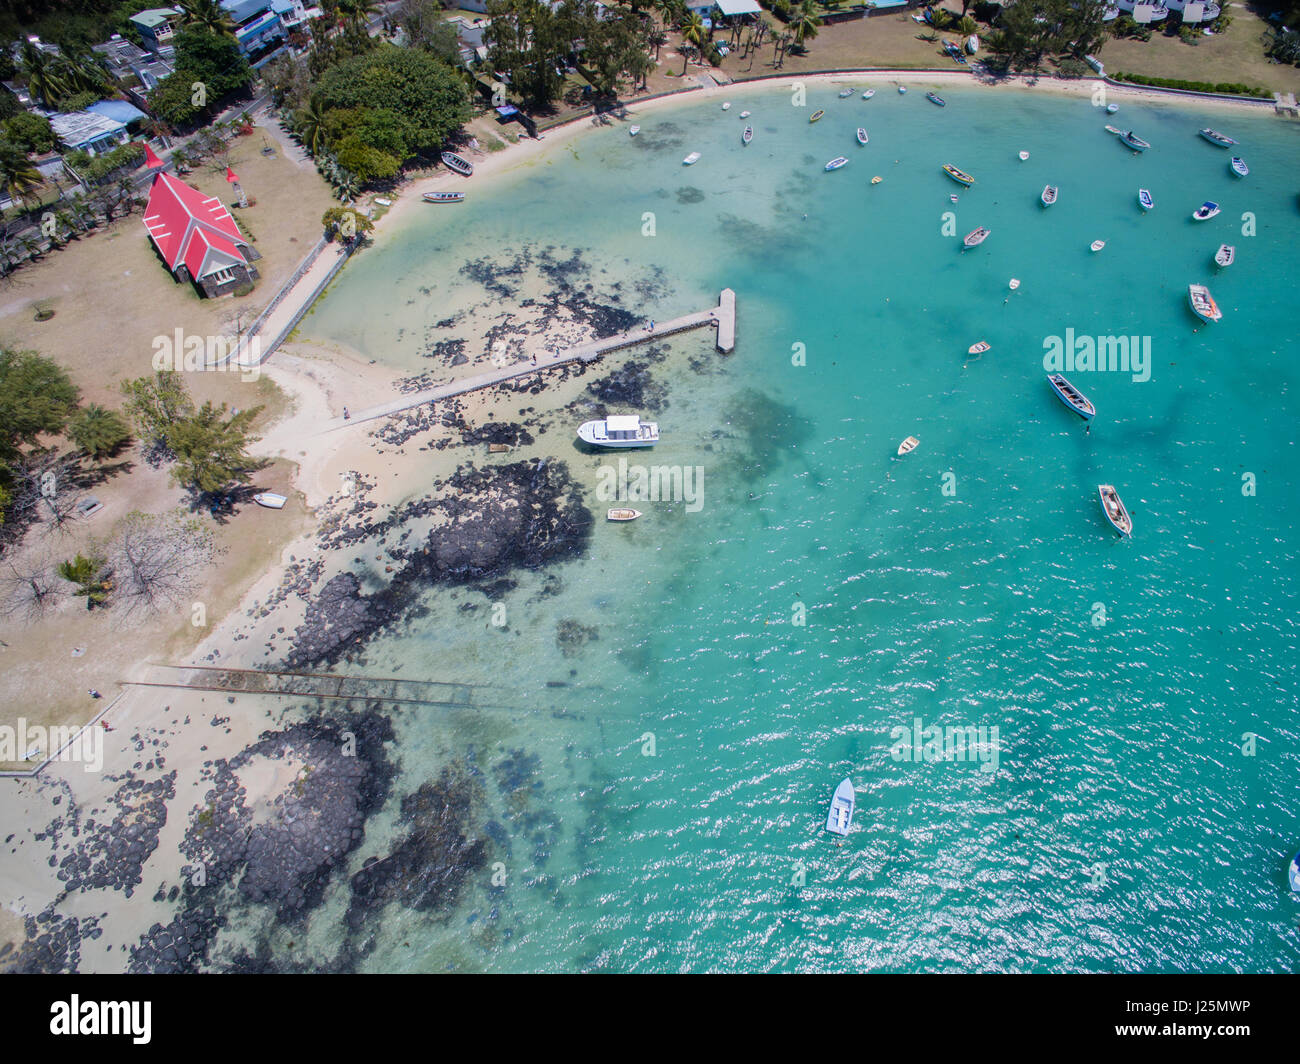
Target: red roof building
[197,237]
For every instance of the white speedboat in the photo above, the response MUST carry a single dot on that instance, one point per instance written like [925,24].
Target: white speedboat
[691,159]
[1205,211]
[747,135]
[745,114]
[1114,509]
[622,513]
[270,499]
[843,801]
[1203,304]
[1049,195]
[1144,199]
[1225,256]
[634,130]
[862,136]
[837,162]
[908,446]
[619,430]
[1014,283]
[1238,166]
[979,348]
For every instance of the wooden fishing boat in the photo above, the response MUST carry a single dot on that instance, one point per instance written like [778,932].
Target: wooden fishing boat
[1132,140]
[452,161]
[1114,509]
[815,116]
[1225,256]
[443,197]
[840,817]
[1049,195]
[877,179]
[1097,245]
[1203,304]
[845,93]
[837,162]
[622,513]
[868,94]
[976,237]
[1144,199]
[862,136]
[979,348]
[960,176]
[1217,139]
[691,159]
[908,446]
[1071,396]
[1238,166]
[747,135]
[1205,211]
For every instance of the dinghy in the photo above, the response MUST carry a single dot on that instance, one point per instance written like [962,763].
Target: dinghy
[270,500]
[1014,283]
[1049,195]
[1133,141]
[691,159]
[1203,304]
[976,237]
[979,348]
[908,446]
[960,176]
[1114,509]
[1024,156]
[1071,396]
[815,116]
[868,94]
[747,135]
[841,814]
[452,161]
[745,114]
[902,89]
[1205,211]
[845,93]
[935,99]
[1097,245]
[877,179]
[443,197]
[634,130]
[1111,108]
[1114,131]
[1217,139]
[1225,256]
[726,106]
[1238,166]
[837,162]
[862,135]
[1144,199]
[622,513]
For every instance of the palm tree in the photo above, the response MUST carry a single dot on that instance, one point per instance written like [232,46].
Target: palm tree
[82,72]
[44,81]
[804,23]
[85,574]
[358,12]
[208,15]
[693,32]
[311,127]
[98,431]
[669,10]
[17,173]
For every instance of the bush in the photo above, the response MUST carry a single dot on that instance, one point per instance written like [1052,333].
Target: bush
[1073,68]
[1225,88]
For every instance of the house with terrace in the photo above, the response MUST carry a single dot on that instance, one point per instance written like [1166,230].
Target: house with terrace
[157,26]
[197,237]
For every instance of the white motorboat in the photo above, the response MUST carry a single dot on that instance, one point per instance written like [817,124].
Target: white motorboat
[979,348]
[1097,245]
[1111,108]
[622,513]
[691,159]
[745,114]
[1024,156]
[1205,211]
[726,106]
[1049,195]
[1225,256]
[843,801]
[1203,304]
[747,135]
[619,430]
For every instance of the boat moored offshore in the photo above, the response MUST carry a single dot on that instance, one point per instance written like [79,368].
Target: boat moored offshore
[1217,139]
[1203,304]
[1071,396]
[1116,513]
[1049,195]
[1225,256]
[1205,211]
[935,99]
[691,159]
[976,237]
[840,817]
[1145,200]
[619,430]
[1132,140]
[1238,166]
[862,136]
[960,176]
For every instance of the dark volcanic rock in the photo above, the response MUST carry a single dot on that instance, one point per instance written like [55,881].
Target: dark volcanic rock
[112,855]
[180,947]
[340,614]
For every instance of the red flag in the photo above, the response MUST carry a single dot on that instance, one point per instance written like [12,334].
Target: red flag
[151,161]
[231,176]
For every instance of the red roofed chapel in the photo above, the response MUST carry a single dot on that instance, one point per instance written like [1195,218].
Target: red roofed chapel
[197,237]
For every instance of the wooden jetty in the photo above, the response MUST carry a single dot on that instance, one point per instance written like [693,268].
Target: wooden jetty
[722,318]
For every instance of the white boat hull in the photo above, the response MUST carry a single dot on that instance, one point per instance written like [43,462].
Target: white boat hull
[843,802]
[596,434]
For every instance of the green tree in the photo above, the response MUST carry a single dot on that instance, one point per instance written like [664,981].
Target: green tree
[17,174]
[693,32]
[206,58]
[207,15]
[155,403]
[211,449]
[36,398]
[44,80]
[87,575]
[528,41]
[804,23]
[30,132]
[427,28]
[98,431]
[338,221]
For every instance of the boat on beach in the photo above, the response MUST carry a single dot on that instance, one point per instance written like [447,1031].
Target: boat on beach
[270,499]
[1144,199]
[1225,256]
[815,116]
[960,176]
[979,348]
[452,161]
[622,513]
[443,197]
[1071,396]
[747,135]
[908,446]
[862,135]
[840,817]
[1238,166]
[935,99]
[1133,141]
[1205,211]
[1217,139]
[837,162]
[619,430]
[691,159]
[1114,509]
[1049,195]
[976,237]
[1203,304]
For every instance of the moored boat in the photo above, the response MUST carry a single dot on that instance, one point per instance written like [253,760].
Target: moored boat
[1071,396]
[1205,211]
[862,135]
[960,176]
[633,130]
[1133,141]
[1225,256]
[868,94]
[745,114]
[270,499]
[908,446]
[747,135]
[452,161]
[976,237]
[815,116]
[622,513]
[1238,166]
[1114,509]
[877,179]
[1217,139]
[935,99]
[1203,304]
[1111,108]
[840,817]
[837,162]
[845,93]
[691,159]
[727,106]
[443,197]
[1115,131]
[1024,156]
[979,348]
[1097,245]
[619,430]
[1049,195]
[1293,873]
[902,90]
[1144,199]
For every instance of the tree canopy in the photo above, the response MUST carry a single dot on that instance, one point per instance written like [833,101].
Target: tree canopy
[1028,30]
[205,58]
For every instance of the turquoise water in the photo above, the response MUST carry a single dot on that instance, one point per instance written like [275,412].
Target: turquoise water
[972,583]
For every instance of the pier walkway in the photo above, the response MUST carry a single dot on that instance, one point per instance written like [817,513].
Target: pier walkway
[722,317]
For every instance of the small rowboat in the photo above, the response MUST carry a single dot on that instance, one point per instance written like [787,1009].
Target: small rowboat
[1144,199]
[960,176]
[1238,166]
[1203,304]
[634,130]
[1225,256]
[452,161]
[902,90]
[622,513]
[270,500]
[1133,141]
[1097,245]
[747,135]
[745,114]
[727,106]
[837,162]
[1217,139]
[862,135]
[908,446]
[1049,195]
[1024,156]
[976,237]
[845,93]
[1116,132]
[1111,108]
[868,94]
[1205,211]
[1293,873]
[877,179]
[1071,396]
[978,349]
[443,197]
[841,814]
[815,116]
[691,159]
[1114,509]
[1014,283]
[936,100]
